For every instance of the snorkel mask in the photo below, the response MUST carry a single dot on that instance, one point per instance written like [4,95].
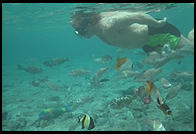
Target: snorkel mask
[82,23]
[81,26]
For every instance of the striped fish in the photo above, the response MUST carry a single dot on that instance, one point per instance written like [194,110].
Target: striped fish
[86,121]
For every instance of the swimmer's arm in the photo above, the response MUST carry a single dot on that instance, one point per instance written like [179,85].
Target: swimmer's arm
[122,21]
[142,18]
[149,20]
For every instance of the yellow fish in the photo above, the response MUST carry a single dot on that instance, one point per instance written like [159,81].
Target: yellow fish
[149,87]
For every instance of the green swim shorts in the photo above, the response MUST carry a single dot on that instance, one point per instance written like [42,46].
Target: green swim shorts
[162,39]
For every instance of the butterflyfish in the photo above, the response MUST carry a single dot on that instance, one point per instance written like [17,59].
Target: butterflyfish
[154,92]
[165,108]
[124,64]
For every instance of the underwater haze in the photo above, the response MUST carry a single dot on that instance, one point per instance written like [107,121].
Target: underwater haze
[51,76]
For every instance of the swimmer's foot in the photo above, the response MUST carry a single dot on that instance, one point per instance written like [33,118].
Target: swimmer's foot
[162,22]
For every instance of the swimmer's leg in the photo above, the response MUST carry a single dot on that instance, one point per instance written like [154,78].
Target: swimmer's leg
[185,46]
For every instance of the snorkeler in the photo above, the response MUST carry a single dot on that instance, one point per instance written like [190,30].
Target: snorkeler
[131,30]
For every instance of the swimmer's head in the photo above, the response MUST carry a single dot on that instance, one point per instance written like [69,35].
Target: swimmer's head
[82,23]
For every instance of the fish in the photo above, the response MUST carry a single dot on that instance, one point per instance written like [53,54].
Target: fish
[189,74]
[139,65]
[187,87]
[120,51]
[127,74]
[98,60]
[173,92]
[104,80]
[52,85]
[35,83]
[165,109]
[122,101]
[179,62]
[165,83]
[98,74]
[86,122]
[154,92]
[30,69]
[55,62]
[52,113]
[152,58]
[79,72]
[124,64]
[144,95]
[181,76]
[162,61]
[104,59]
[165,59]
[149,74]
[120,62]
[149,87]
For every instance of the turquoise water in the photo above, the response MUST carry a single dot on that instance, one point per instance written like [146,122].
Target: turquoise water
[35,33]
